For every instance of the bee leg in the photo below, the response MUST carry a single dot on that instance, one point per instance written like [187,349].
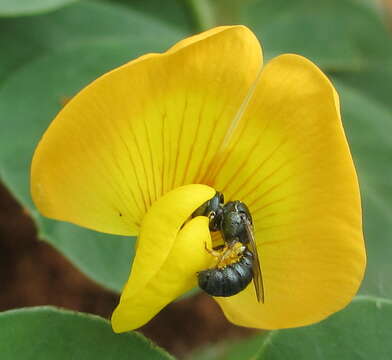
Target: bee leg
[220,255]
[232,249]
[212,252]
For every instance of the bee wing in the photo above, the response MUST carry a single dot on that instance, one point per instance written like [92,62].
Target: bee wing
[257,275]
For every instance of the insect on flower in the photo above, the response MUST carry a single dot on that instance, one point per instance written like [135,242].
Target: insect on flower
[146,145]
[236,264]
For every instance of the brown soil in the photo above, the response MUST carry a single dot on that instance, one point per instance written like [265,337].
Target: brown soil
[33,273]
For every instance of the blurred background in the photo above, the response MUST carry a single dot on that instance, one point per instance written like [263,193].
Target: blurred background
[50,49]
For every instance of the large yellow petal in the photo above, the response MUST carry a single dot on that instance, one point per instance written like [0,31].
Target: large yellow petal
[291,164]
[142,130]
[167,258]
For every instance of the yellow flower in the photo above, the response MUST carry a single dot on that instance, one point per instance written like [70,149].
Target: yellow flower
[143,146]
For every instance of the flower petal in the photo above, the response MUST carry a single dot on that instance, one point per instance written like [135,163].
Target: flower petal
[167,258]
[291,164]
[143,129]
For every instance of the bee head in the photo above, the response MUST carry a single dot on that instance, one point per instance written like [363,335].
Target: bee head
[213,209]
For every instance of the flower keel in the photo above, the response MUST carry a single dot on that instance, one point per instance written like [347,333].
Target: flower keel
[168,256]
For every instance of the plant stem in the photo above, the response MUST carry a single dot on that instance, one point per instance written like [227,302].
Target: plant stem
[202,14]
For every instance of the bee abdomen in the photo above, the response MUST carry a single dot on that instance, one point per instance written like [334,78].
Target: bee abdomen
[229,280]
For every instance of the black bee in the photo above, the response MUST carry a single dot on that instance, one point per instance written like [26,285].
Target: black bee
[236,264]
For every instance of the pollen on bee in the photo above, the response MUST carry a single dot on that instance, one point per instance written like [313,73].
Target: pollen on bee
[230,254]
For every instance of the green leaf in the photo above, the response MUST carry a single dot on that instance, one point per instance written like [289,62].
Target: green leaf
[102,257]
[375,82]
[361,331]
[336,34]
[48,333]
[367,118]
[226,350]
[30,7]
[174,12]
[24,39]
[33,93]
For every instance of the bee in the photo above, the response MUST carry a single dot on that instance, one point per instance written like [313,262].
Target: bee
[237,260]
